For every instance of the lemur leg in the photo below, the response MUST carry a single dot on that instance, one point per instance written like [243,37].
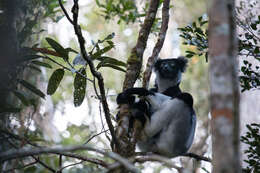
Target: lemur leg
[164,115]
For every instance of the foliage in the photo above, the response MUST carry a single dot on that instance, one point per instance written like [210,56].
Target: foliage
[252,139]
[97,53]
[47,9]
[126,11]
[248,45]
[196,36]
[52,9]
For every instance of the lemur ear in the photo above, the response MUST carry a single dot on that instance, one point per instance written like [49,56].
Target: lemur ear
[157,64]
[182,61]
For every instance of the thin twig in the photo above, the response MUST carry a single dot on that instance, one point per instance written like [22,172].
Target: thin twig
[80,157]
[73,164]
[24,166]
[66,68]
[96,74]
[95,136]
[197,157]
[60,164]
[95,89]
[246,28]
[65,12]
[44,165]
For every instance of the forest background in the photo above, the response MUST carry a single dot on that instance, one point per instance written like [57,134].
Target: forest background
[71,113]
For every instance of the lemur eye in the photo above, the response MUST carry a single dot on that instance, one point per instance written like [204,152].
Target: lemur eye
[172,64]
[163,64]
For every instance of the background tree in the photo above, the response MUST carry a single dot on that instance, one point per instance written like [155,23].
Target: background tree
[84,69]
[223,77]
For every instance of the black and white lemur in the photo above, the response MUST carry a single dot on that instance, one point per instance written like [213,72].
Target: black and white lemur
[166,112]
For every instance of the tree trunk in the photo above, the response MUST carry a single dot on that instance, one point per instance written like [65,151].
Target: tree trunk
[224,94]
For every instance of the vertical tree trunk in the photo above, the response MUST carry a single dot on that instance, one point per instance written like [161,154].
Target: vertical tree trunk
[224,94]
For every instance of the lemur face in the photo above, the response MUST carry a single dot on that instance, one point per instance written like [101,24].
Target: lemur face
[170,68]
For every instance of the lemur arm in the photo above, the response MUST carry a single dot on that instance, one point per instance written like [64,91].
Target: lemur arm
[127,97]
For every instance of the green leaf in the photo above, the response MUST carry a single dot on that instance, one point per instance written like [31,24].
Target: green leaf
[253,26]
[190,52]
[111,66]
[34,68]
[54,81]
[30,57]
[111,43]
[109,60]
[71,50]
[58,48]
[39,63]
[102,51]
[194,25]
[21,96]
[80,84]
[200,18]
[32,88]
[204,22]
[257,50]
[189,55]
[110,36]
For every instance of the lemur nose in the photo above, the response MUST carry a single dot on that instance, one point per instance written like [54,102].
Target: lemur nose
[166,67]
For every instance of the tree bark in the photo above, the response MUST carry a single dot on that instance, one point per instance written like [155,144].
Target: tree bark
[224,94]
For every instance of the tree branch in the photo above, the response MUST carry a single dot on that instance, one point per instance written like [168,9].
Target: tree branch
[65,12]
[153,57]
[197,157]
[158,46]
[24,152]
[83,158]
[95,136]
[77,156]
[60,170]
[134,64]
[96,74]
[153,157]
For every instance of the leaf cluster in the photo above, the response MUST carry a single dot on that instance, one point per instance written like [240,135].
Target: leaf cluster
[250,78]
[41,57]
[97,53]
[125,10]
[196,36]
[252,139]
